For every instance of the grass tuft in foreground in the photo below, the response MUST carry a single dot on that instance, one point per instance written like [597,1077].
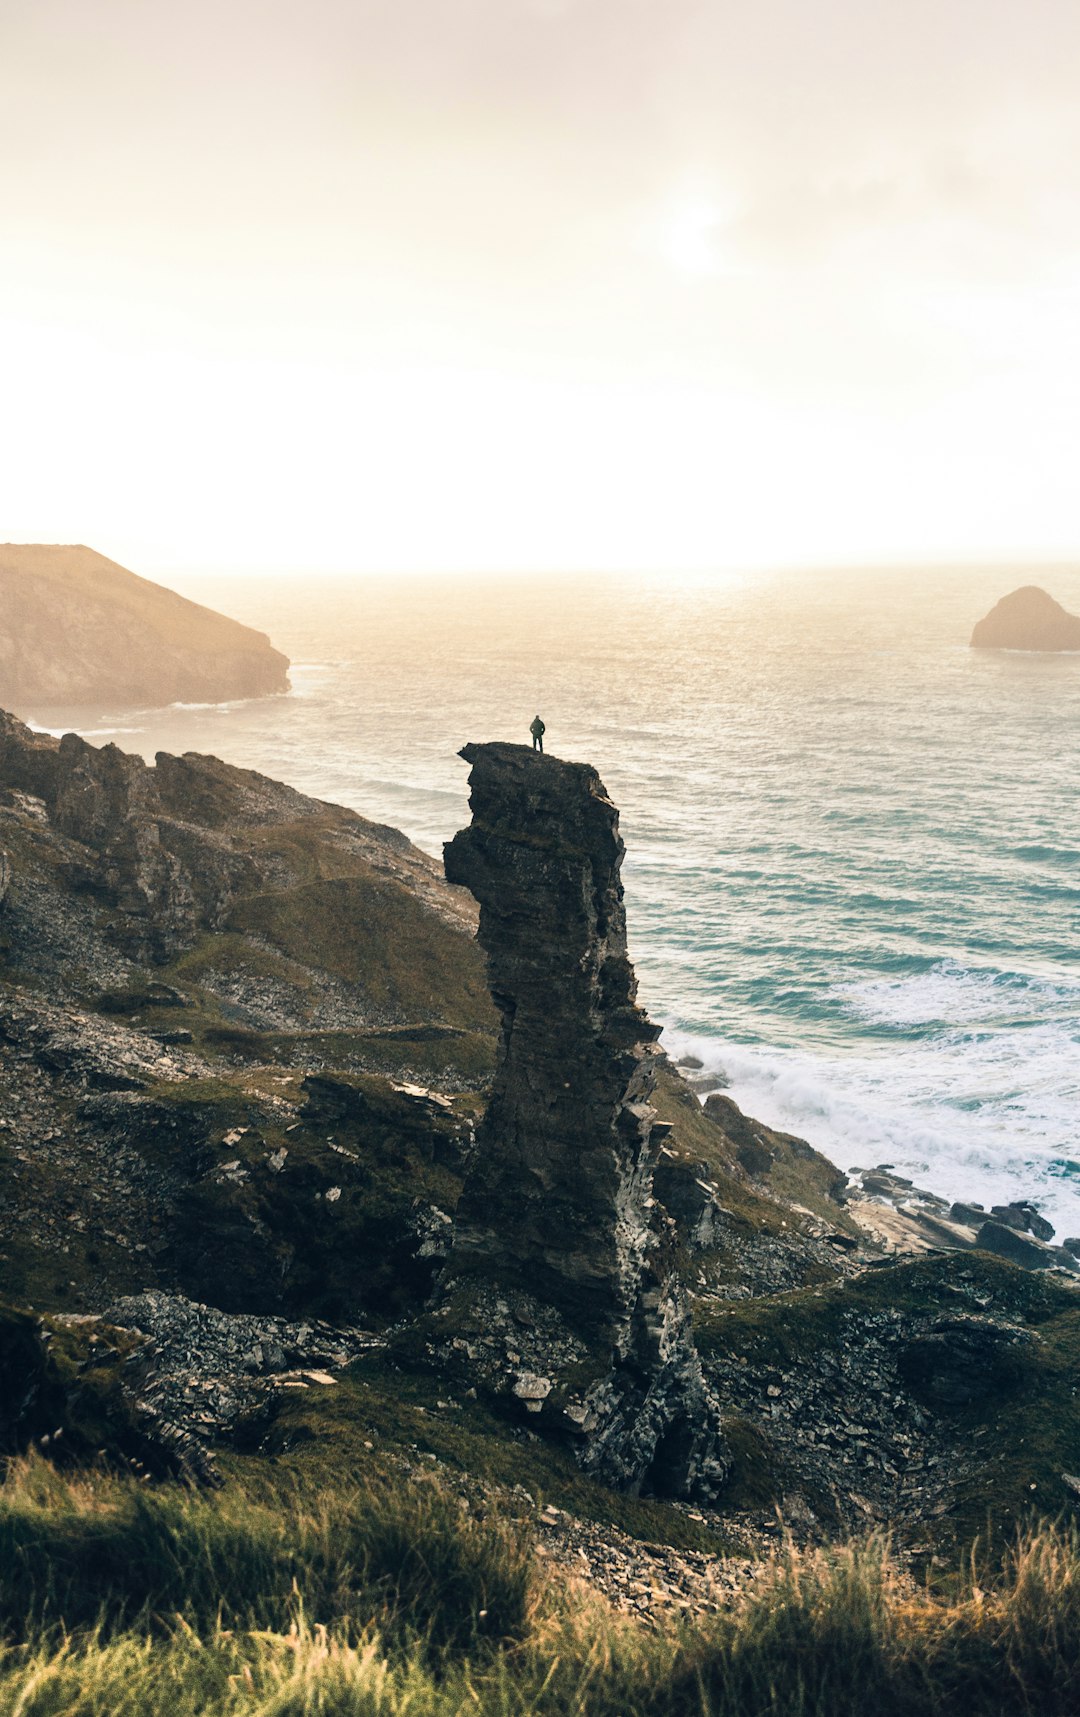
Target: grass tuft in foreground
[393,1602]
[109,1556]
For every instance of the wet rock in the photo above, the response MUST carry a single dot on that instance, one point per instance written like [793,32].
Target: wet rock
[1024,1218]
[906,1219]
[559,1199]
[967,1215]
[1036,1224]
[1023,1249]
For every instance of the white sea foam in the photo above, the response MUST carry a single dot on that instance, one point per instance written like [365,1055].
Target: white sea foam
[224,705]
[954,995]
[990,1117]
[84,732]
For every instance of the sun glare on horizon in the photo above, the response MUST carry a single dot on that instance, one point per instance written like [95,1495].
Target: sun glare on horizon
[691,234]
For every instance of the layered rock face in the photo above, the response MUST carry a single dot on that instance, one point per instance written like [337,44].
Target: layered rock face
[191,846]
[557,1214]
[77,628]
[1027,619]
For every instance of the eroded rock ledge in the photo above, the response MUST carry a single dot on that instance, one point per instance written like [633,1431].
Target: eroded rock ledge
[561,1290]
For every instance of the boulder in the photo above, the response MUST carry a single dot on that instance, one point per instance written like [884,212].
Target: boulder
[1027,619]
[1023,1249]
[1025,1218]
[968,1215]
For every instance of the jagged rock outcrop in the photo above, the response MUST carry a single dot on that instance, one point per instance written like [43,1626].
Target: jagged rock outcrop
[557,1231]
[1027,619]
[201,1375]
[77,628]
[180,849]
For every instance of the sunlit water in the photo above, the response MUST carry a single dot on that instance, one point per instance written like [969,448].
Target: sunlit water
[853,843]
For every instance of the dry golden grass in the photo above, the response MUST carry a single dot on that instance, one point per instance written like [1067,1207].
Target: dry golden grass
[391,1601]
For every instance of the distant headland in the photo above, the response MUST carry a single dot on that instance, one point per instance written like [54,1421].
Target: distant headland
[77,628]
[1027,619]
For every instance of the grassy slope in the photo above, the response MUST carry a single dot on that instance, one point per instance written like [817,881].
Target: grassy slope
[387,1601]
[1029,1420]
[377,1415]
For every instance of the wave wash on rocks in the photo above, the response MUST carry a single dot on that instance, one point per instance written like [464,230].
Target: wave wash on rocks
[561,1290]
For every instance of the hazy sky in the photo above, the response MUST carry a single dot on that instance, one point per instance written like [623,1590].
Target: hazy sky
[527,283]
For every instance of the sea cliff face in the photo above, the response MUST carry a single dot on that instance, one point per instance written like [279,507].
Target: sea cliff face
[76,628]
[557,1211]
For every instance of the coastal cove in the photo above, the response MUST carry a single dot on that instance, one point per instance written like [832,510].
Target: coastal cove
[853,846]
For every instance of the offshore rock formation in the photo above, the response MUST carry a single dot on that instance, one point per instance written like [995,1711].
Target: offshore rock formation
[1027,619]
[77,628]
[562,1265]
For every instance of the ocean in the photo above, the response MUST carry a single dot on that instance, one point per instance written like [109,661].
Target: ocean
[853,843]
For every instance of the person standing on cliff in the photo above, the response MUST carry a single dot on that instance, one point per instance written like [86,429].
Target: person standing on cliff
[537,729]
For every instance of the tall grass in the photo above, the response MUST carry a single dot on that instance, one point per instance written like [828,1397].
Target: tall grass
[393,1602]
[109,1555]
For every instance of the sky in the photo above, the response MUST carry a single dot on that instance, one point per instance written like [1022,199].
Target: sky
[523,285]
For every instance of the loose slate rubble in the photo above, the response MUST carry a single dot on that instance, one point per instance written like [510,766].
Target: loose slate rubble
[558,1208]
[88,1051]
[865,1424]
[643,1580]
[203,1373]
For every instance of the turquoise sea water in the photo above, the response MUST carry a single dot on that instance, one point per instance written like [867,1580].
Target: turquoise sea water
[853,872]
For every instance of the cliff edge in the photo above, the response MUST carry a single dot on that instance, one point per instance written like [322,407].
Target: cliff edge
[1027,619]
[76,628]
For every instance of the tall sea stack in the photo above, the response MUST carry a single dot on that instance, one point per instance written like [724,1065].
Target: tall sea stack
[557,1230]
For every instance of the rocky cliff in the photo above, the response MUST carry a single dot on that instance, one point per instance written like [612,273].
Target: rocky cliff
[557,1212]
[245,1041]
[77,628]
[294,914]
[1027,619]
